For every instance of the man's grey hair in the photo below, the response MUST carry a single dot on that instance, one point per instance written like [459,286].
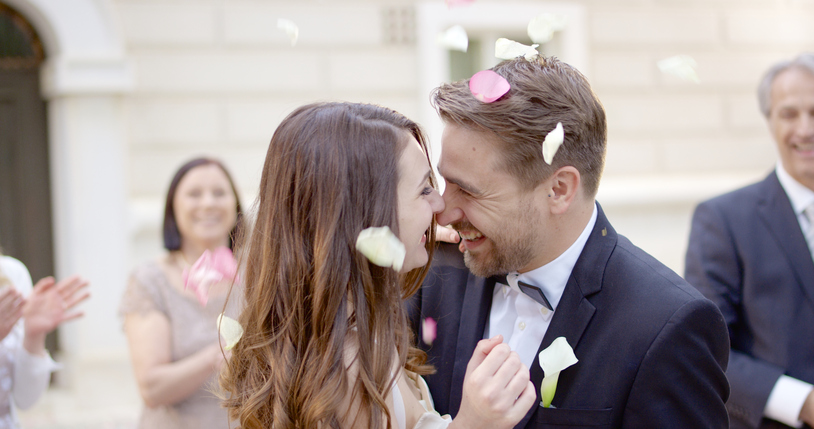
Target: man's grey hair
[764,90]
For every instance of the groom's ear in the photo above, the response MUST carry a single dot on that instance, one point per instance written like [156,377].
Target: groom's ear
[561,189]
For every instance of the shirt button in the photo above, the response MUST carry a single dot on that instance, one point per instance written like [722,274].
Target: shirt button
[522,325]
[544,311]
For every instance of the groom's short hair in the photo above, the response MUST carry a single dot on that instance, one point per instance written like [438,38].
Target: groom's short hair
[543,91]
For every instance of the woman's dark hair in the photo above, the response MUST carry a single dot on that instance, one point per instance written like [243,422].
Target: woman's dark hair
[172,237]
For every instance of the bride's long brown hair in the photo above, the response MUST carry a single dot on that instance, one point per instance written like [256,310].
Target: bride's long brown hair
[331,170]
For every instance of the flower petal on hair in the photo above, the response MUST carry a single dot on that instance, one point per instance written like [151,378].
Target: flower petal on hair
[381,247]
[506,49]
[428,330]
[230,330]
[552,142]
[453,3]
[555,358]
[680,66]
[487,86]
[454,39]
[291,29]
[541,29]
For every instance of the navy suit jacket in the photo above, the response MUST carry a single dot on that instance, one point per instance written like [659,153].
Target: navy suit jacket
[652,350]
[748,254]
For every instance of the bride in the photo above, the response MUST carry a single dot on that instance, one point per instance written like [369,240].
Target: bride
[326,342]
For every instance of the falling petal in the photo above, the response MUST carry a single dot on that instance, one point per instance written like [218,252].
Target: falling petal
[552,142]
[541,29]
[555,358]
[454,39]
[454,3]
[487,86]
[291,29]
[506,49]
[680,66]
[210,269]
[230,330]
[428,330]
[381,247]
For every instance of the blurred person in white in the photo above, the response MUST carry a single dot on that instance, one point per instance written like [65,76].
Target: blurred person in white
[750,251]
[173,338]
[27,315]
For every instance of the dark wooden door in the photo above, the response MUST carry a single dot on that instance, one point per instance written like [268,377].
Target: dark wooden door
[25,191]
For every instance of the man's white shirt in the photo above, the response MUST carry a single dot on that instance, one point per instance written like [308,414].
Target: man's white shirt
[521,320]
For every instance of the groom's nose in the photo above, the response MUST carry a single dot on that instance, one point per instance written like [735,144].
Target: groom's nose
[452,211]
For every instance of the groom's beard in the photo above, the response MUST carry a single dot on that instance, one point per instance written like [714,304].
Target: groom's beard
[510,249]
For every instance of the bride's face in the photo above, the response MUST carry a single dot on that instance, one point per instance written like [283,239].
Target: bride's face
[417,202]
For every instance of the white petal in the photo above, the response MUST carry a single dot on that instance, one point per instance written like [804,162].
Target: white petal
[556,357]
[552,142]
[541,29]
[381,247]
[454,39]
[506,49]
[291,29]
[680,66]
[230,330]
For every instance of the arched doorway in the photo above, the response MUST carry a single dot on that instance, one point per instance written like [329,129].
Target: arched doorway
[25,191]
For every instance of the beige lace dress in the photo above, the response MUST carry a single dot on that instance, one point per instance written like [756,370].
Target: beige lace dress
[193,328]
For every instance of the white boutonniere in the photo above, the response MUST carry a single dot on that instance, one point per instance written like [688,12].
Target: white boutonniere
[555,358]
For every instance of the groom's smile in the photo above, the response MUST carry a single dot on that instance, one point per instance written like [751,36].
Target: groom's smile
[498,222]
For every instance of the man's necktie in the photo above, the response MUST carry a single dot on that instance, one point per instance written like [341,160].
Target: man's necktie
[531,291]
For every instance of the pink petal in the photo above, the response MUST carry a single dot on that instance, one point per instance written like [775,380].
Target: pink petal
[428,330]
[224,262]
[487,86]
[453,3]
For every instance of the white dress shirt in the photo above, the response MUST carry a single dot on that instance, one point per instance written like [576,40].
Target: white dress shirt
[521,320]
[788,395]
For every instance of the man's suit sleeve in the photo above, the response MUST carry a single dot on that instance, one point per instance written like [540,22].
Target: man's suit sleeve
[681,381]
[714,268]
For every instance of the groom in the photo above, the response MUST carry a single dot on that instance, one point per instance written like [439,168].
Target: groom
[543,261]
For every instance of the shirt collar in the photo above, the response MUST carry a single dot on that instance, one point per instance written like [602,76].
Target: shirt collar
[552,277]
[799,195]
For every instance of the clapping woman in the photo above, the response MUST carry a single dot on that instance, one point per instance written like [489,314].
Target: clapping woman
[171,333]
[27,315]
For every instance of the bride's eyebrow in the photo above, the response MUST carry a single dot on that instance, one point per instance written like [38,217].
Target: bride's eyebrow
[424,179]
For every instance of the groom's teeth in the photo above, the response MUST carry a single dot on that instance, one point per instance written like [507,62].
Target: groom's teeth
[471,236]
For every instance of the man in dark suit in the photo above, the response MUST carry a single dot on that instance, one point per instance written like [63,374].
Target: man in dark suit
[748,252]
[542,261]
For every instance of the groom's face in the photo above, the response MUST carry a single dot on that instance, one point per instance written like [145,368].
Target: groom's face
[499,223]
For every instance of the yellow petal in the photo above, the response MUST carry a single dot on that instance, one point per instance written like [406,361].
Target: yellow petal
[454,39]
[381,247]
[230,330]
[680,66]
[506,49]
[556,357]
[552,142]
[541,29]
[291,29]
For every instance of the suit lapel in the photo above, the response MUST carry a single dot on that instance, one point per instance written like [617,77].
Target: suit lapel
[574,312]
[776,211]
[474,314]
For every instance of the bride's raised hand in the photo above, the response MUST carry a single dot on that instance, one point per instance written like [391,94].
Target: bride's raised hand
[497,390]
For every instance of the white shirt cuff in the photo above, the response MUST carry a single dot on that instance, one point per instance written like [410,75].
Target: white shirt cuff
[786,401]
[31,376]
